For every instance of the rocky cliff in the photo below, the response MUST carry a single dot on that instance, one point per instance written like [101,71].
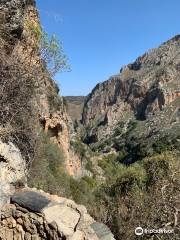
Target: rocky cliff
[145,85]
[21,28]
[145,91]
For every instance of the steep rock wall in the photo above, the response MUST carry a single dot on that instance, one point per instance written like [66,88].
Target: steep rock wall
[19,27]
[59,127]
[12,170]
[140,90]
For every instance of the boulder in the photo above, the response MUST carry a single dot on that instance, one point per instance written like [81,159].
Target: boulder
[65,217]
[12,170]
[102,231]
[30,200]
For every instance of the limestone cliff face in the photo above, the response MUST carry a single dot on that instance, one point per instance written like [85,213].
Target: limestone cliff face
[140,90]
[19,26]
[59,127]
[12,18]
[12,170]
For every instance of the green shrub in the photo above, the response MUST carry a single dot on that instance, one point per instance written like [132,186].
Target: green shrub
[121,155]
[91,182]
[79,148]
[47,171]
[160,166]
[82,190]
[130,178]
[111,167]
[144,194]
[161,145]
[89,167]
[52,54]
[133,124]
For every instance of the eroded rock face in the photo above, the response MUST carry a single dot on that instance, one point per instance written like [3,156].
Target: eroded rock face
[140,90]
[17,19]
[53,218]
[12,18]
[12,170]
[59,127]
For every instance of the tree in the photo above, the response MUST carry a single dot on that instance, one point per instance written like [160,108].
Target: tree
[52,54]
[49,48]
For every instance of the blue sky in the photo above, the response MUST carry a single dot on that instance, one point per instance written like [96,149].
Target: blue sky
[100,36]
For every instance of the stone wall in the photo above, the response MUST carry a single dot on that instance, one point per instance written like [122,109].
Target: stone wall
[35,215]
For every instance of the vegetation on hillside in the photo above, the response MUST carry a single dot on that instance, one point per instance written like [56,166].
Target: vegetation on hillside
[47,171]
[17,80]
[49,47]
[143,194]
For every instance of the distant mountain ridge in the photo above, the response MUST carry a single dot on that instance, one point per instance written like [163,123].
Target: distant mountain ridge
[75,106]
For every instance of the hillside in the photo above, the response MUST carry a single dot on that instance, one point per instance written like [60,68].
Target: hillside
[131,126]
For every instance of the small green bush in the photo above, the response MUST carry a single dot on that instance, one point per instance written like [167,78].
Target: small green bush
[111,167]
[133,124]
[160,166]
[47,171]
[131,178]
[161,146]
[82,190]
[79,148]
[121,155]
[89,166]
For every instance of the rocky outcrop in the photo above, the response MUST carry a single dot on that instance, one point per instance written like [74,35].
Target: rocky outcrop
[140,90]
[37,215]
[59,127]
[12,18]
[12,170]
[170,97]
[20,27]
